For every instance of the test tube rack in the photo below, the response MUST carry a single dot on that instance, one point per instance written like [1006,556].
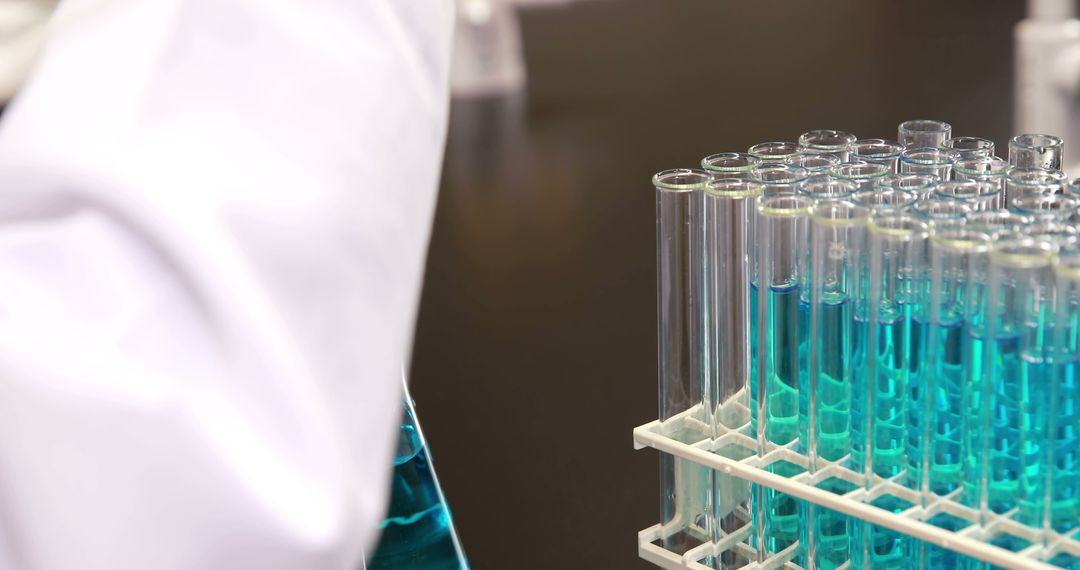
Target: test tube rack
[719,454]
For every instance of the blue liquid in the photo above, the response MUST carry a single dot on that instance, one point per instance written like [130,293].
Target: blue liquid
[1065,442]
[946,407]
[417,533]
[1003,482]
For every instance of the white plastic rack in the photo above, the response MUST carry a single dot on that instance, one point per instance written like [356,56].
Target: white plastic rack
[973,540]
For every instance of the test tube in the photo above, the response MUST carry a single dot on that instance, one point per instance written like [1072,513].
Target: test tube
[825,187]
[1022,181]
[827,141]
[1057,232]
[776,151]
[885,359]
[942,211]
[881,199]
[997,223]
[684,485]
[1036,151]
[814,163]
[922,185]
[1072,187]
[969,147]
[1064,447]
[777,178]
[1017,372]
[729,220]
[980,195]
[879,151]
[730,164]
[838,236]
[958,275]
[863,174]
[782,333]
[923,133]
[1046,206]
[924,160]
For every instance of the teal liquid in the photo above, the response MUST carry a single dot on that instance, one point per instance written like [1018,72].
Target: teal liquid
[777,514]
[417,532]
[1065,442]
[1003,455]
[946,407]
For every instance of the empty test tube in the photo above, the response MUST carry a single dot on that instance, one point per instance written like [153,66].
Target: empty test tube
[922,185]
[777,178]
[1013,353]
[997,223]
[730,164]
[776,151]
[1064,446]
[925,160]
[814,163]
[827,141]
[1023,181]
[863,174]
[729,214]
[1036,151]
[782,333]
[881,199]
[923,133]
[1046,206]
[969,147]
[1057,232]
[838,241]
[684,485]
[980,195]
[939,212]
[825,187]
[879,151]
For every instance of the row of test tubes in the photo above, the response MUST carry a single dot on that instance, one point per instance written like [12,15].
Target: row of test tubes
[908,310]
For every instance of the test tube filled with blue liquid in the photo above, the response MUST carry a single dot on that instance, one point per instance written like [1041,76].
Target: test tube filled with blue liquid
[838,241]
[887,345]
[1017,374]
[1063,513]
[780,399]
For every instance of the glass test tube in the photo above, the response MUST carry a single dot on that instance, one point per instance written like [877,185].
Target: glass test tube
[863,174]
[730,164]
[1046,206]
[885,358]
[942,211]
[980,195]
[779,178]
[1064,445]
[922,185]
[782,333]
[827,141]
[1036,151]
[838,236]
[729,220]
[878,151]
[814,163]
[928,161]
[776,151]
[969,147]
[1021,181]
[1015,368]
[684,485]
[881,199]
[923,133]
[957,276]
[997,223]
[825,187]
[1054,231]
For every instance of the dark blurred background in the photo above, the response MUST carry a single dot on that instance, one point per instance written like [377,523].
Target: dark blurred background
[535,352]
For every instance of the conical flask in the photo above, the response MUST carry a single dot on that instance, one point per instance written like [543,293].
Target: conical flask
[418,532]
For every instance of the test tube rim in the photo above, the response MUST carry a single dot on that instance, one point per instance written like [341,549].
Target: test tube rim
[909,198]
[770,157]
[992,190]
[753,161]
[1052,140]
[837,171]
[1073,186]
[798,173]
[1067,264]
[877,224]
[1045,176]
[930,181]
[1039,254]
[825,179]
[757,187]
[919,207]
[989,144]
[661,184]
[841,146]
[861,218]
[829,158]
[946,157]
[974,241]
[783,212]
[896,147]
[961,166]
[1072,203]
[915,125]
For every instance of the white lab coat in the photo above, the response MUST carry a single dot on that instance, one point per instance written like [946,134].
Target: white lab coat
[213,222]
